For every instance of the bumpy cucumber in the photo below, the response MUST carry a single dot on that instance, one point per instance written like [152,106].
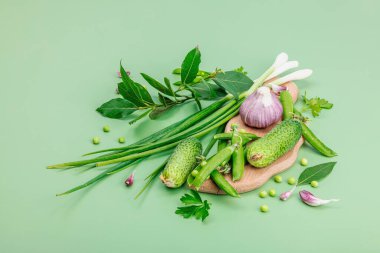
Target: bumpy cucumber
[181,162]
[275,144]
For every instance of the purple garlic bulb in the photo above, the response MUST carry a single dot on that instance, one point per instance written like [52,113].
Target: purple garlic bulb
[261,109]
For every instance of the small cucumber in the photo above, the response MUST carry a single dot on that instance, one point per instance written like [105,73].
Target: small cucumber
[181,162]
[275,144]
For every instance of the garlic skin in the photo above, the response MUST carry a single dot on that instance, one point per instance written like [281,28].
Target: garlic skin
[309,199]
[278,88]
[261,109]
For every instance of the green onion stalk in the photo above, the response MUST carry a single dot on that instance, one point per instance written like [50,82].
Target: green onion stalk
[196,125]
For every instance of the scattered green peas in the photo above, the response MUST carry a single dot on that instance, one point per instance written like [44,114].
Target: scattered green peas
[121,139]
[106,129]
[291,180]
[272,192]
[194,173]
[263,194]
[203,163]
[304,162]
[278,179]
[96,140]
[314,184]
[264,208]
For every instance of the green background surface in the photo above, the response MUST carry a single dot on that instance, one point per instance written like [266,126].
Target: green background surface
[58,62]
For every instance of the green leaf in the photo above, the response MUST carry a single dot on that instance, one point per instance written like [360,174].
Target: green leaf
[202,212]
[134,92]
[315,173]
[194,206]
[190,66]
[233,82]
[117,108]
[193,199]
[208,91]
[178,83]
[165,100]
[315,105]
[186,211]
[156,84]
[241,70]
[167,83]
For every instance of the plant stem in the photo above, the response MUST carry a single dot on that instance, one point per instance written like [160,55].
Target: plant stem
[257,83]
[151,177]
[108,172]
[140,116]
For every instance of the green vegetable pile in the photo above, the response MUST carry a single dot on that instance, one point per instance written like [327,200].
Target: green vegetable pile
[187,163]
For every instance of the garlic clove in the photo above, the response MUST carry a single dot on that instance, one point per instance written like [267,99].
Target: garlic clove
[130,179]
[285,195]
[309,199]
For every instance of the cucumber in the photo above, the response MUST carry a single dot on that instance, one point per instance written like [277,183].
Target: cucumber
[275,144]
[181,162]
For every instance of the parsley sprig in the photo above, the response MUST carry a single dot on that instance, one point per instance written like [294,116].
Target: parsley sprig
[194,206]
[315,105]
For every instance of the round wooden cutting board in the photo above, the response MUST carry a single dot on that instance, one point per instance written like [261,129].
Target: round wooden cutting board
[255,177]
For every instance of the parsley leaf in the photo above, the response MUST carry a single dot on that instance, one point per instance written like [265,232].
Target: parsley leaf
[315,105]
[241,70]
[194,206]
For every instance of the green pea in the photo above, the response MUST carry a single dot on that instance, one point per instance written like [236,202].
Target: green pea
[194,173]
[264,208]
[263,194]
[278,179]
[291,180]
[203,163]
[314,184]
[106,129]
[121,139]
[272,192]
[96,140]
[304,162]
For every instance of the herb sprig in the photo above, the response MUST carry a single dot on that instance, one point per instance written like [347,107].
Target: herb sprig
[194,206]
[194,85]
[315,105]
